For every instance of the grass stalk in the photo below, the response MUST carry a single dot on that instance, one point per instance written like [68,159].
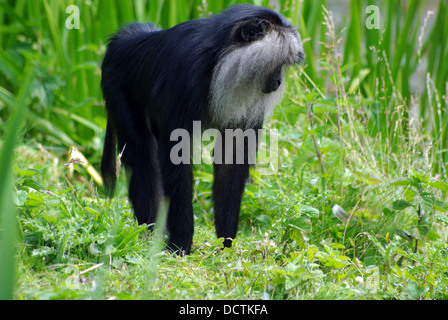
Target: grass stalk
[8,235]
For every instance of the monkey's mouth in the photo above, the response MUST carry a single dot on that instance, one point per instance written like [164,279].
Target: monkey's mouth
[274,81]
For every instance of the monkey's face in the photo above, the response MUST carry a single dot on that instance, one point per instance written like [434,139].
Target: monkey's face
[248,80]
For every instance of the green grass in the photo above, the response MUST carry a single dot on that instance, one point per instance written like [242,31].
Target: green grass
[76,245]
[362,125]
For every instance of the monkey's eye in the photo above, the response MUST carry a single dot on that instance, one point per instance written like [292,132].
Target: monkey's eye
[253,30]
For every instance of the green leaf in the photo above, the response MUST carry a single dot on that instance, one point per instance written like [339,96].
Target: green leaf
[324,109]
[409,194]
[419,176]
[366,178]
[34,199]
[26,172]
[32,184]
[337,246]
[302,223]
[91,211]
[337,262]
[401,182]
[388,212]
[404,234]
[110,249]
[309,211]
[428,202]
[20,198]
[400,204]
[424,226]
[50,217]
[358,80]
[439,185]
[310,96]
[440,206]
[432,235]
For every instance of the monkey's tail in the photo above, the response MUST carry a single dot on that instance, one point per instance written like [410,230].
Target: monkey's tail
[109,162]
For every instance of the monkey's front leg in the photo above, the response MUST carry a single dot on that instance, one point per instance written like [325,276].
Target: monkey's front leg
[228,188]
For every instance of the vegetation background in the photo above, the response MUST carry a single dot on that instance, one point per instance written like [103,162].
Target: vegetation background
[357,209]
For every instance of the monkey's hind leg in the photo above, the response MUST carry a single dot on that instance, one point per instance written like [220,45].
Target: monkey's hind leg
[139,157]
[145,188]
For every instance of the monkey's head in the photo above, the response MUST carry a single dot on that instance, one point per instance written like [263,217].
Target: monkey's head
[248,78]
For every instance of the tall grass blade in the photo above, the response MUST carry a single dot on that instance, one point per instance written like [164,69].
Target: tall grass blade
[157,246]
[8,236]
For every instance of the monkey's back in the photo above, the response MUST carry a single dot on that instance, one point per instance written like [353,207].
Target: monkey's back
[180,58]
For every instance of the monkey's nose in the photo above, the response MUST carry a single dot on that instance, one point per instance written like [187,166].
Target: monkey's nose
[274,81]
[272,84]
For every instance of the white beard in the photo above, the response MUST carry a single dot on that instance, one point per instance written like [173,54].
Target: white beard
[236,90]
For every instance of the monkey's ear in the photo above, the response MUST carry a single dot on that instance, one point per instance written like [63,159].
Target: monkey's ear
[253,30]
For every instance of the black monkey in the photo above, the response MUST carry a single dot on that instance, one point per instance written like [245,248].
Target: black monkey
[226,71]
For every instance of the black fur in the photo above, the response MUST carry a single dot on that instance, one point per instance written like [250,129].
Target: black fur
[155,81]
